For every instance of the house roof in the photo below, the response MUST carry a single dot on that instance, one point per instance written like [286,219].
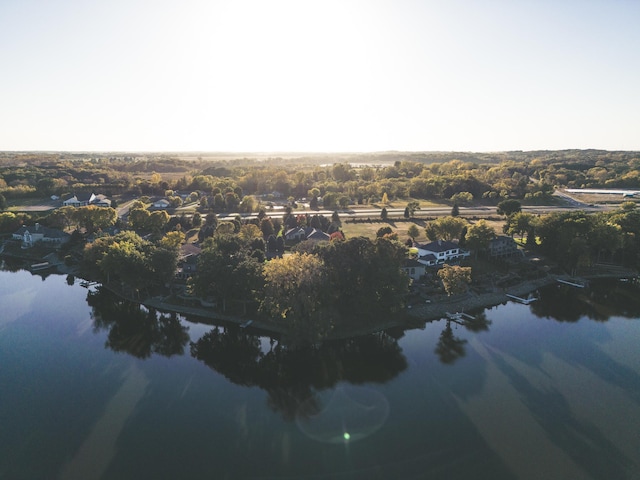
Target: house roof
[187,249]
[102,199]
[411,263]
[294,232]
[429,257]
[438,246]
[41,229]
[79,197]
[318,235]
[502,239]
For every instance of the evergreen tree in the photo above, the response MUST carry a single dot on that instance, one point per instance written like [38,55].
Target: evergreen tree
[455,210]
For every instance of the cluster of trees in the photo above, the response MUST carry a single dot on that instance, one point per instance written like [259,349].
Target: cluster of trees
[138,265]
[576,239]
[90,218]
[342,283]
[337,181]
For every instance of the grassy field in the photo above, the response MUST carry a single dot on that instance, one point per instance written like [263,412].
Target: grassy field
[400,227]
[31,204]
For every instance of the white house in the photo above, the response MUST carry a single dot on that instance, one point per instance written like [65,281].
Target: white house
[296,234]
[31,235]
[101,201]
[414,269]
[299,234]
[79,200]
[161,204]
[439,252]
[85,199]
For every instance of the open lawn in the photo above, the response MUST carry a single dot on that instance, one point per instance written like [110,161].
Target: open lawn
[32,204]
[366,229]
[369,229]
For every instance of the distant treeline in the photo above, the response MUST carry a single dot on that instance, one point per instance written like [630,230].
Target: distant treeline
[339,180]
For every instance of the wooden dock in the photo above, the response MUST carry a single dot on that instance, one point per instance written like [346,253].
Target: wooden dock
[459,316]
[572,284]
[524,301]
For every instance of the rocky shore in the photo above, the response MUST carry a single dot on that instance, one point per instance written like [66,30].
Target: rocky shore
[473,301]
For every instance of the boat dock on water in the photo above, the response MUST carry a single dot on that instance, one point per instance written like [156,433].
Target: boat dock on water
[36,267]
[459,316]
[572,284]
[524,301]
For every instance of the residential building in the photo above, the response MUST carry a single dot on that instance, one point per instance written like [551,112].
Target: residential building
[85,199]
[439,252]
[414,269]
[503,246]
[79,200]
[30,235]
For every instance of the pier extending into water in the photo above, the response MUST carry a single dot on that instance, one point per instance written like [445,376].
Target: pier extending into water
[525,301]
[572,284]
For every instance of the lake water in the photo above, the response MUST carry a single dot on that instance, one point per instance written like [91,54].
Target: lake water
[92,387]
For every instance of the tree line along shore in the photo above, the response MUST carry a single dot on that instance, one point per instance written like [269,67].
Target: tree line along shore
[265,267]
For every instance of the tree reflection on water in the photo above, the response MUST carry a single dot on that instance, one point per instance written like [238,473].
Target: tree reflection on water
[449,347]
[291,377]
[134,329]
[568,304]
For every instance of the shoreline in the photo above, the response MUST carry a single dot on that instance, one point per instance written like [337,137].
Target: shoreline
[474,301]
[414,315]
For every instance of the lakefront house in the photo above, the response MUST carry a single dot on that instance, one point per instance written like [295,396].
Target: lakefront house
[30,235]
[439,252]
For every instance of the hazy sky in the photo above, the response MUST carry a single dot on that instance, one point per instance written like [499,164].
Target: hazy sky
[325,75]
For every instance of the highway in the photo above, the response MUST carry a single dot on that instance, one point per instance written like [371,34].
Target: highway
[363,213]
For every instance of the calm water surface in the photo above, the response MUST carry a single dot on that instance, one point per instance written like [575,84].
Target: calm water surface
[94,387]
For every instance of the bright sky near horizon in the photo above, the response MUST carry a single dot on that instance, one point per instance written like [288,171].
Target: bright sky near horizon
[319,75]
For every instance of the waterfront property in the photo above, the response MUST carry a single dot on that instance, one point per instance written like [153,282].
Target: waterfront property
[33,234]
[439,252]
[414,269]
[503,247]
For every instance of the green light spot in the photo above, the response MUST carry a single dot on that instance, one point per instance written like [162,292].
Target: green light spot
[346,436]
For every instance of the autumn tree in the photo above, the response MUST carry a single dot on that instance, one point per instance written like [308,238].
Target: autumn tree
[172,240]
[478,236]
[365,275]
[519,223]
[455,279]
[93,218]
[508,207]
[296,294]
[411,208]
[157,221]
[227,271]
[139,218]
[462,198]
[413,231]
[445,228]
